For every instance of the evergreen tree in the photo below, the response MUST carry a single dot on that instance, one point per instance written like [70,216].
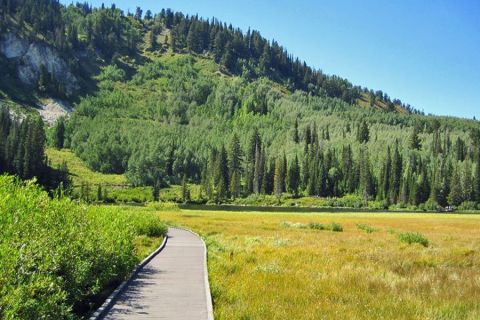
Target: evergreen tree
[156,191]
[221,175]
[59,133]
[185,190]
[414,141]
[296,137]
[386,176]
[455,198]
[257,170]
[476,185]
[278,178]
[293,177]
[467,182]
[99,193]
[235,166]
[396,175]
[363,132]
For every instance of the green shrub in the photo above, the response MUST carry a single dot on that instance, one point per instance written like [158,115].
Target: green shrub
[148,224]
[468,206]
[163,206]
[366,228]
[298,225]
[58,258]
[413,237]
[317,226]
[335,227]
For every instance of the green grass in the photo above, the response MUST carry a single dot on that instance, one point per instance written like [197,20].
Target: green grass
[80,173]
[260,269]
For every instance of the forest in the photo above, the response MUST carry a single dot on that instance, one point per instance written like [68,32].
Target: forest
[179,99]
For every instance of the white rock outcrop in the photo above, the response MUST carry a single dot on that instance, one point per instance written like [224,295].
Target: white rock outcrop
[32,56]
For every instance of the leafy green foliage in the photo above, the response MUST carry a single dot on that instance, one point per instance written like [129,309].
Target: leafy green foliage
[58,258]
[413,237]
[366,228]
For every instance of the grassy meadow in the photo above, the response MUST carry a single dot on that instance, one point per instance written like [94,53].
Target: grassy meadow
[292,266]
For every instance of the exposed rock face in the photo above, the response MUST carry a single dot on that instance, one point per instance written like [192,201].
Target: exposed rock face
[32,56]
[53,110]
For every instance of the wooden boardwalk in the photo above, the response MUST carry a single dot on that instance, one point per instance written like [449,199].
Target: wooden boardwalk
[173,285]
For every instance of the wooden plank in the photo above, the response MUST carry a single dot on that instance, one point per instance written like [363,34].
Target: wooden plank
[172,285]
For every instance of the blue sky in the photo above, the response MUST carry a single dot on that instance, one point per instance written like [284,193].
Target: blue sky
[426,53]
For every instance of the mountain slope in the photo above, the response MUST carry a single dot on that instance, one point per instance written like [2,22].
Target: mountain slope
[176,98]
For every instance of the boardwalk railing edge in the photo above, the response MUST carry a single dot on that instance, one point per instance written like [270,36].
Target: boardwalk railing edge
[205,275]
[108,303]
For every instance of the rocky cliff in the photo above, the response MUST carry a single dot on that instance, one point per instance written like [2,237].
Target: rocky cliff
[31,56]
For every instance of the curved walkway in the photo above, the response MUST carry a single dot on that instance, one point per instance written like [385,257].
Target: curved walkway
[173,285]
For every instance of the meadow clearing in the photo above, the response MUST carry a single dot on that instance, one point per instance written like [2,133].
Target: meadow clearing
[282,266]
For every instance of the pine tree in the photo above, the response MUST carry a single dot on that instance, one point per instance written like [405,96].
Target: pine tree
[278,178]
[185,190]
[257,170]
[363,132]
[396,175]
[414,140]
[99,193]
[152,41]
[296,138]
[386,178]
[455,198]
[221,175]
[235,167]
[467,182]
[156,191]
[366,179]
[476,186]
[460,149]
[59,133]
[293,177]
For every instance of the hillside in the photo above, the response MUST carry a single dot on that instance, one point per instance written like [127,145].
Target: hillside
[170,98]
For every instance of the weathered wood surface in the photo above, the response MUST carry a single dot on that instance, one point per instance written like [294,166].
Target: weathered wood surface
[171,286]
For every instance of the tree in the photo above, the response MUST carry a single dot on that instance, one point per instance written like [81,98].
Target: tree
[366,178]
[386,176]
[396,175]
[363,133]
[278,178]
[294,177]
[221,175]
[296,138]
[59,133]
[257,178]
[138,13]
[185,190]
[455,198]
[156,191]
[235,167]
[99,193]
[148,15]
[476,186]
[414,140]
[152,41]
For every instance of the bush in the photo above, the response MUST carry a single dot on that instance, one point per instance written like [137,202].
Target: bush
[430,205]
[58,258]
[335,227]
[317,226]
[366,228]
[163,206]
[148,224]
[468,206]
[413,237]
